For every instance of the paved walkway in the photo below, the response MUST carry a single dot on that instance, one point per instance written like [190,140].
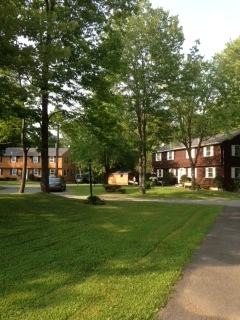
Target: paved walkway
[210,287]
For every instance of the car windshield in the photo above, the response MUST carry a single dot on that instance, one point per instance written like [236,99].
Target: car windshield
[54,180]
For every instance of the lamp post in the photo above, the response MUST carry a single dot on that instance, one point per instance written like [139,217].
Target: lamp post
[90,179]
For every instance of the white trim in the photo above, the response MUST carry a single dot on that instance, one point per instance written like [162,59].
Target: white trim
[52,159]
[192,153]
[35,159]
[174,171]
[234,150]
[233,172]
[160,173]
[13,172]
[210,172]
[158,156]
[208,151]
[170,155]
[13,159]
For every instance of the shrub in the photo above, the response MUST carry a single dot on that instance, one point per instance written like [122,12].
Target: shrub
[218,182]
[169,178]
[122,191]
[31,177]
[184,178]
[95,201]
[148,185]
[111,188]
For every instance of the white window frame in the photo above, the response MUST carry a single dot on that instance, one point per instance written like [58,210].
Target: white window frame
[233,172]
[13,159]
[35,159]
[159,173]
[192,153]
[36,172]
[13,172]
[234,150]
[52,172]
[52,159]
[209,174]
[189,174]
[158,156]
[174,171]
[208,151]
[170,155]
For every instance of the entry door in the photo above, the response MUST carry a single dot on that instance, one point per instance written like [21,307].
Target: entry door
[181,171]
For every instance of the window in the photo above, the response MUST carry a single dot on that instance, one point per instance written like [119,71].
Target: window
[170,155]
[160,173]
[13,159]
[208,151]
[0,171]
[65,172]
[35,159]
[173,171]
[210,172]
[235,173]
[13,172]
[158,156]
[65,159]
[192,154]
[51,172]
[189,174]
[51,159]
[236,150]
[36,172]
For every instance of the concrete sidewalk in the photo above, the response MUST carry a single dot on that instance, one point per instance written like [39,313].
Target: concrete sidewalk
[210,287]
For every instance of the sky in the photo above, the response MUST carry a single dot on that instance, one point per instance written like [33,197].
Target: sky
[213,22]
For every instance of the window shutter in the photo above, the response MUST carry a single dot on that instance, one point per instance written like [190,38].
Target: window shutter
[233,150]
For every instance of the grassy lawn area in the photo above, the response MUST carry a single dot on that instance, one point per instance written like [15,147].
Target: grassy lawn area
[157,192]
[61,259]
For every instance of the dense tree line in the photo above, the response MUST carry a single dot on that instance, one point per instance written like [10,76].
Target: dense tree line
[113,75]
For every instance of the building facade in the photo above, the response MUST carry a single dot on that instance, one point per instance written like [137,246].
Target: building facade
[218,156]
[59,163]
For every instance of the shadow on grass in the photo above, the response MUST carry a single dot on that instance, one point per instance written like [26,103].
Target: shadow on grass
[60,257]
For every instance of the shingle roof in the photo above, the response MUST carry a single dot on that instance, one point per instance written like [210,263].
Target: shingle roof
[217,139]
[32,152]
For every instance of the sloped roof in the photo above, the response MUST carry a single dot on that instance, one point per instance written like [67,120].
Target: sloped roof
[32,152]
[217,139]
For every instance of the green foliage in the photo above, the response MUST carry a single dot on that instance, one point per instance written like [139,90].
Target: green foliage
[31,177]
[148,185]
[169,178]
[95,200]
[184,178]
[112,188]
[218,182]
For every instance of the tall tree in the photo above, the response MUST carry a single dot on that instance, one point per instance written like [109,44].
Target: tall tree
[227,69]
[57,52]
[193,105]
[152,45]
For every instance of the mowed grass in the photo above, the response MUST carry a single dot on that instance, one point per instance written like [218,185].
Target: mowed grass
[156,192]
[61,259]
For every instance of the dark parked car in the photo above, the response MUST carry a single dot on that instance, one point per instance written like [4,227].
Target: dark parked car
[57,184]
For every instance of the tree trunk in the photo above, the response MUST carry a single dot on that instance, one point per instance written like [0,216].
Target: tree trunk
[24,165]
[44,146]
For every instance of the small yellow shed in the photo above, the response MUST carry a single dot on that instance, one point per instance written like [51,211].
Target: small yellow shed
[120,178]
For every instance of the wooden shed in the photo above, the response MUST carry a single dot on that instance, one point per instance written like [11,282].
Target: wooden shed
[120,178]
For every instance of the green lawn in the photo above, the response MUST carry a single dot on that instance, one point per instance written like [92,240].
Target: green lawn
[61,259]
[157,192]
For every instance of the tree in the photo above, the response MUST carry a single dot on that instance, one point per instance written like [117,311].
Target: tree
[56,48]
[151,56]
[227,69]
[193,105]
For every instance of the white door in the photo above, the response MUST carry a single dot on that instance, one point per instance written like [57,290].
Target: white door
[181,171]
